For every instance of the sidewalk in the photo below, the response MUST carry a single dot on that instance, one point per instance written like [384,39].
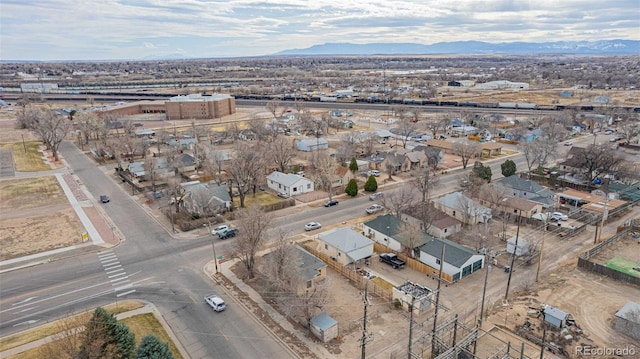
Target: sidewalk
[224,269]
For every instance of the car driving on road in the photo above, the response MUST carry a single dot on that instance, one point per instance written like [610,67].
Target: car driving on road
[216,303]
[375,196]
[104,198]
[216,231]
[374,208]
[311,226]
[331,202]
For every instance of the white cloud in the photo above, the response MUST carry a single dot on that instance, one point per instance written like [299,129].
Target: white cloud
[70,29]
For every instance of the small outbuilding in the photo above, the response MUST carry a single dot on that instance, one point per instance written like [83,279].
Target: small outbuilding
[324,327]
[312,144]
[628,320]
[522,247]
[556,317]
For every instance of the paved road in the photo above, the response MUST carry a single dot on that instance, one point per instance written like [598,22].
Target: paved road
[148,265]
[6,162]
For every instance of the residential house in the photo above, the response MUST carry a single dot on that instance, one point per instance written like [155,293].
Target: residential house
[376,160]
[289,184]
[463,208]
[578,127]
[586,201]
[506,204]
[312,144]
[442,225]
[342,176]
[185,144]
[397,162]
[247,135]
[346,246]
[434,155]
[311,269]
[185,163]
[523,188]
[136,170]
[417,159]
[205,198]
[459,261]
[383,229]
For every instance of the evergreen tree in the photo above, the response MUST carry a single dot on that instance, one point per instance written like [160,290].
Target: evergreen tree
[352,188]
[508,168]
[152,348]
[371,185]
[104,337]
[353,165]
[482,171]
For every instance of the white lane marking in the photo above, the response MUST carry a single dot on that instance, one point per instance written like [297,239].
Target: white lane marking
[106,255]
[26,309]
[123,287]
[125,293]
[26,323]
[104,262]
[116,271]
[26,300]
[112,267]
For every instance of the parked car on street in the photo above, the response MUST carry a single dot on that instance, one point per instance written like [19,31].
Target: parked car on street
[227,233]
[216,303]
[218,229]
[374,208]
[392,260]
[568,143]
[331,202]
[375,196]
[104,198]
[311,226]
[559,216]
[608,132]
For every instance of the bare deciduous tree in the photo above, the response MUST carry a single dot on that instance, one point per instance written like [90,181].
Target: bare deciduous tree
[406,129]
[398,200]
[245,168]
[629,130]
[466,150]
[424,180]
[598,160]
[531,152]
[48,126]
[308,304]
[282,265]
[281,151]
[324,171]
[252,224]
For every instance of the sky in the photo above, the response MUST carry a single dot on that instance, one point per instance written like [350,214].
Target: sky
[142,29]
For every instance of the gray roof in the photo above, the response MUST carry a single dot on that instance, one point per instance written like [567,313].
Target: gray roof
[354,244]
[314,142]
[555,313]
[454,254]
[388,225]
[323,321]
[455,200]
[630,311]
[285,179]
[310,264]
[525,185]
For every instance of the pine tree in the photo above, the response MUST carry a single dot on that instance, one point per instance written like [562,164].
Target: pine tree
[508,168]
[353,165]
[352,188]
[104,337]
[152,348]
[371,185]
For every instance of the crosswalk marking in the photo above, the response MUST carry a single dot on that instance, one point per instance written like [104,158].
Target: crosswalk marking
[116,274]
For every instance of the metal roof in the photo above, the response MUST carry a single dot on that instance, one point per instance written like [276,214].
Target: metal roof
[630,311]
[454,254]
[355,245]
[323,321]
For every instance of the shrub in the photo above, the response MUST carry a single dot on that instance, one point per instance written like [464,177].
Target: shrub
[371,185]
[352,188]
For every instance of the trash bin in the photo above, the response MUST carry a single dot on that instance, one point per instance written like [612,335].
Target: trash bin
[507,269]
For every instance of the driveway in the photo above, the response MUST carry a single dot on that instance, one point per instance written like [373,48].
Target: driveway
[6,163]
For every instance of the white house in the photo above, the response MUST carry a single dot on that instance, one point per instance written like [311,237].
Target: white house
[312,144]
[345,246]
[382,229]
[289,183]
[463,208]
[459,261]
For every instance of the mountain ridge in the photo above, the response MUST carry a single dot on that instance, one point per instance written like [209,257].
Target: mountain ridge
[599,47]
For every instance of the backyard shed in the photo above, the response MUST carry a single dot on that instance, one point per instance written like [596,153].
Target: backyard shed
[555,316]
[628,320]
[522,248]
[324,327]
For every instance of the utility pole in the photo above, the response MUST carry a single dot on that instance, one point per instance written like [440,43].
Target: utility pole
[435,314]
[513,257]
[413,299]
[213,246]
[484,293]
[365,335]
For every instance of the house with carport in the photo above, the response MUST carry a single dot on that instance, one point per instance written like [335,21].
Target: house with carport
[345,246]
[459,261]
[516,186]
[290,184]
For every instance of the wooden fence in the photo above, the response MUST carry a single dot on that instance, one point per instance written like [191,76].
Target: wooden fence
[414,263]
[358,279]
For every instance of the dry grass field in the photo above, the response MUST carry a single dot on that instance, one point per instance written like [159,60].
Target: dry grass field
[30,193]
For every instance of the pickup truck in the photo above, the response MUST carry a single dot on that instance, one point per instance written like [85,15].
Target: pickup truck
[227,233]
[216,303]
[392,260]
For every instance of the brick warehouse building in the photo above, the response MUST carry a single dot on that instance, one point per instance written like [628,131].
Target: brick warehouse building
[194,106]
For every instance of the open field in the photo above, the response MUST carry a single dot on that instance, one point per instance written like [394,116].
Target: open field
[30,193]
[26,156]
[624,266]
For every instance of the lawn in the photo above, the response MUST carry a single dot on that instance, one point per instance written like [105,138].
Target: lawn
[31,193]
[624,266]
[29,160]
[145,324]
[262,198]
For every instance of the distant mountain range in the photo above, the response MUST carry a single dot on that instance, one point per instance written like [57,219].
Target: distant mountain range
[601,47]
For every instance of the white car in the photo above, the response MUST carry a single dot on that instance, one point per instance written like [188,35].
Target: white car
[375,196]
[374,208]
[311,226]
[558,216]
[374,173]
[216,303]
[219,229]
